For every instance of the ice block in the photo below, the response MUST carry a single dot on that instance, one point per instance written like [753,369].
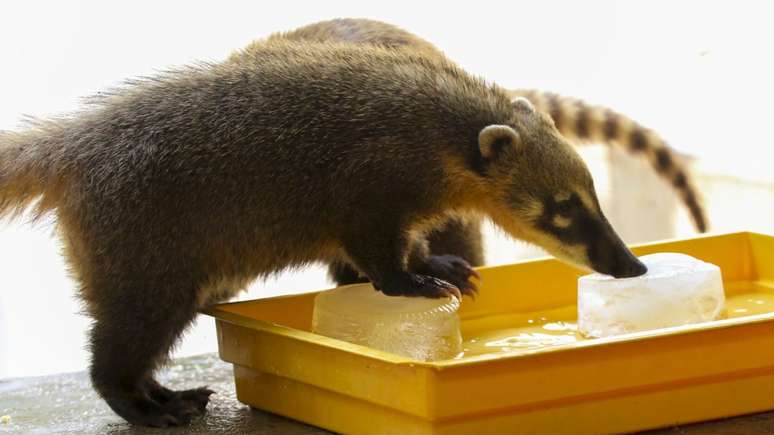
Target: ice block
[418,328]
[677,290]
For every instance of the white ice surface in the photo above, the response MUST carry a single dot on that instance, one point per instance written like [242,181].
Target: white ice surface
[677,290]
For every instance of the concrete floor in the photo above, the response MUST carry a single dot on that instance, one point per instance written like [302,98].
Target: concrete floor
[66,404]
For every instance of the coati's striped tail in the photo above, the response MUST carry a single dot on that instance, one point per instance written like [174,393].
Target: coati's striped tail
[583,122]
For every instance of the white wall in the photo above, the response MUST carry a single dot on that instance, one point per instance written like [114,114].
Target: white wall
[698,72]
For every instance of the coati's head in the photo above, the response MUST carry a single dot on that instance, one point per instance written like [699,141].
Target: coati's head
[544,194]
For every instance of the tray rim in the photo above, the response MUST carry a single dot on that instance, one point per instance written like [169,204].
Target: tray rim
[363,351]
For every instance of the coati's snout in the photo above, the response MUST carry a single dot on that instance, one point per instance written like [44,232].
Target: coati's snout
[612,257]
[544,194]
[572,227]
[585,236]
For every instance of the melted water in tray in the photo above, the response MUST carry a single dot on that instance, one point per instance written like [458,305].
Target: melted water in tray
[531,332]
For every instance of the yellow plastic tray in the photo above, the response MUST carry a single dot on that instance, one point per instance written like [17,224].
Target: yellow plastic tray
[524,370]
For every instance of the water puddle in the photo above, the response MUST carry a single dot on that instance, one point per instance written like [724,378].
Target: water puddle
[530,332]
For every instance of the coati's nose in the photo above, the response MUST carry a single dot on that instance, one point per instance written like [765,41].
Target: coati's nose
[609,255]
[620,264]
[629,268]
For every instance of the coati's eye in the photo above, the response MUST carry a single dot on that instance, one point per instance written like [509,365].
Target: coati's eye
[564,208]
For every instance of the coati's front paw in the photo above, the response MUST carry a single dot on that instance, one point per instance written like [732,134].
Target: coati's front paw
[419,286]
[452,269]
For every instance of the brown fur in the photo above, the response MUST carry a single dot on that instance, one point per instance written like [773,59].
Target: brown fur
[575,119]
[360,31]
[457,235]
[173,191]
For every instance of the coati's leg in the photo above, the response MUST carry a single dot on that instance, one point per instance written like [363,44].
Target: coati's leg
[458,238]
[342,273]
[385,259]
[461,237]
[450,268]
[141,290]
[137,322]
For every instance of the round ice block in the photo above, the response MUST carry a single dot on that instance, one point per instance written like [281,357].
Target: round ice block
[677,290]
[418,328]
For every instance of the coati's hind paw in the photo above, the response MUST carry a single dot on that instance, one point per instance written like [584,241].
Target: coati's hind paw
[157,406]
[419,286]
[183,405]
[188,404]
[454,270]
[199,397]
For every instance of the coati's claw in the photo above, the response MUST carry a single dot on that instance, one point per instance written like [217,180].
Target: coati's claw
[454,270]
[432,287]
[200,397]
[452,291]
[470,290]
[420,286]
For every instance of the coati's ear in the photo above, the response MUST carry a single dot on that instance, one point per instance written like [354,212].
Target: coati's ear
[521,103]
[493,138]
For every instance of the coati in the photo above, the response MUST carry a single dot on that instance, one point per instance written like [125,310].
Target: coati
[576,120]
[174,191]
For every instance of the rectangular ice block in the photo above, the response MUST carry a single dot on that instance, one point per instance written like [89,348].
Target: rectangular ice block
[677,290]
